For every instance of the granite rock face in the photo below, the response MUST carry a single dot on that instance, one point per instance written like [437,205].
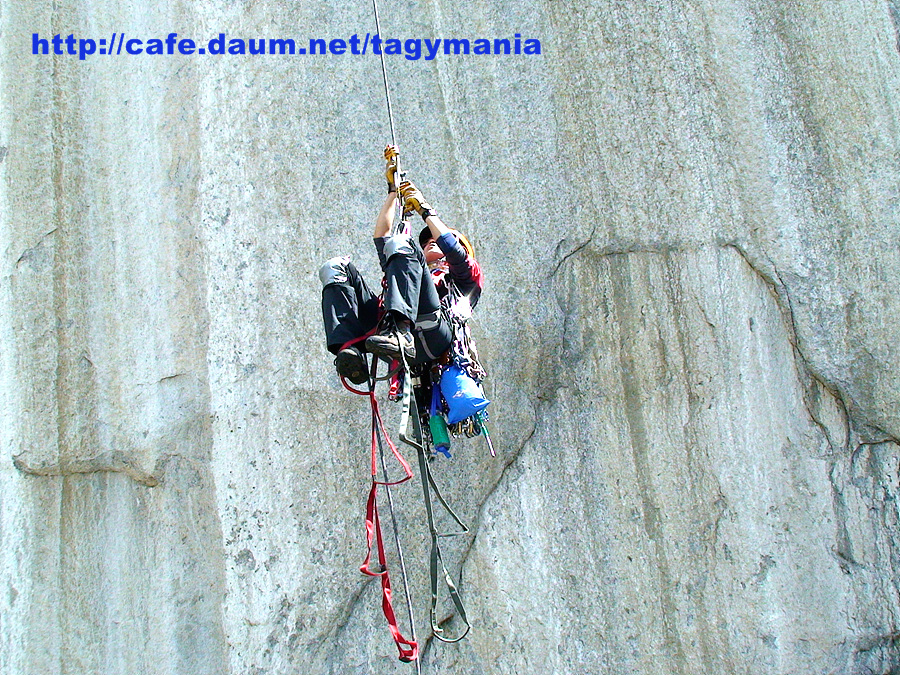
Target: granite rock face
[688,214]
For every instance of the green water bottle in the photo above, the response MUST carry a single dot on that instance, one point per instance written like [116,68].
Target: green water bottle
[439,434]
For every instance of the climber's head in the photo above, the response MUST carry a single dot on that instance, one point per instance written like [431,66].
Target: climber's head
[431,250]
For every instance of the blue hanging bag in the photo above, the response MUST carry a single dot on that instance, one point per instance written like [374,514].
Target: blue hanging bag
[464,396]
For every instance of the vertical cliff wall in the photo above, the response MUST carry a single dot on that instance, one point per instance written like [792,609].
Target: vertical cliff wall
[687,213]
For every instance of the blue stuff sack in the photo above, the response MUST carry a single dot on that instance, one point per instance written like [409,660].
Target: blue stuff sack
[464,395]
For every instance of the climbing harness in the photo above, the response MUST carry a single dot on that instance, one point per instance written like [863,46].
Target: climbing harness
[457,310]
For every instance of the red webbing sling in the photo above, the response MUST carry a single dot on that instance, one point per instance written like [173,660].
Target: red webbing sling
[408,649]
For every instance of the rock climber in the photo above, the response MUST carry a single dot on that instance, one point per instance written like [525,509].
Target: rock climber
[416,272]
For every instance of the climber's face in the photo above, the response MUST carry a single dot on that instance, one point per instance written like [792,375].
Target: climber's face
[432,252]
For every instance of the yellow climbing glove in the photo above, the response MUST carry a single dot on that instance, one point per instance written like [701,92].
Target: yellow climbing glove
[414,200]
[390,170]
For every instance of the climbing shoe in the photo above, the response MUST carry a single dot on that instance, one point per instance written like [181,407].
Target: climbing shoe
[390,340]
[351,364]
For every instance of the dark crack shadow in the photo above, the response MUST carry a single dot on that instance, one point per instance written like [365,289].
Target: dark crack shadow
[894,11]
[474,529]
[574,251]
[779,290]
[339,625]
[501,479]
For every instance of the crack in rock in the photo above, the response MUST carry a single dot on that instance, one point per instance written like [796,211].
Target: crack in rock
[32,251]
[477,523]
[501,479]
[783,299]
[338,626]
[88,467]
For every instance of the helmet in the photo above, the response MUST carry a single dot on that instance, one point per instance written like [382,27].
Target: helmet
[425,235]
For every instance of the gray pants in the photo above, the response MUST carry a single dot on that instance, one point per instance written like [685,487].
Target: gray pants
[350,309]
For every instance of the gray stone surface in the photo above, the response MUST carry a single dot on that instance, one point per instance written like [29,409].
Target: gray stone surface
[687,213]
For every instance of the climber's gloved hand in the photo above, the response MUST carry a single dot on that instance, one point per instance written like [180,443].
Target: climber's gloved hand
[390,170]
[414,200]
